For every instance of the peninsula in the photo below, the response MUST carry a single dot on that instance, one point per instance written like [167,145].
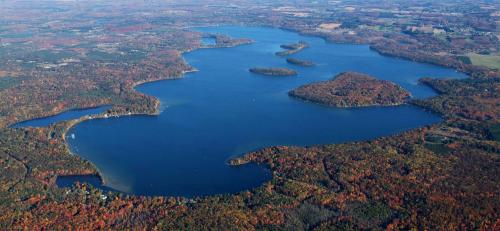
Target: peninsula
[61,55]
[224,41]
[351,89]
[292,48]
[273,71]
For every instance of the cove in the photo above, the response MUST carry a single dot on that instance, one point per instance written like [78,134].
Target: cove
[68,115]
[223,111]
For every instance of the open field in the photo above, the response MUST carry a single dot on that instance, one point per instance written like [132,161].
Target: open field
[490,61]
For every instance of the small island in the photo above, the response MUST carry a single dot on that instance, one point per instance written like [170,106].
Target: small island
[299,62]
[292,48]
[273,71]
[351,89]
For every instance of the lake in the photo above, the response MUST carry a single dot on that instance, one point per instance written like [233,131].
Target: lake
[223,111]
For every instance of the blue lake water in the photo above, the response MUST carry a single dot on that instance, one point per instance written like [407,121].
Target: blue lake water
[223,111]
[68,115]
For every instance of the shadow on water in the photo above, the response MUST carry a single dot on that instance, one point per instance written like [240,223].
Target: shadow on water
[95,181]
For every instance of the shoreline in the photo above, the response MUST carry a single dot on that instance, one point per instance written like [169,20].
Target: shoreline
[13,126]
[71,123]
[157,105]
[369,45]
[407,102]
[326,40]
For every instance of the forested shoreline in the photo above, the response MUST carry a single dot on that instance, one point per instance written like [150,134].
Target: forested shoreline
[439,177]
